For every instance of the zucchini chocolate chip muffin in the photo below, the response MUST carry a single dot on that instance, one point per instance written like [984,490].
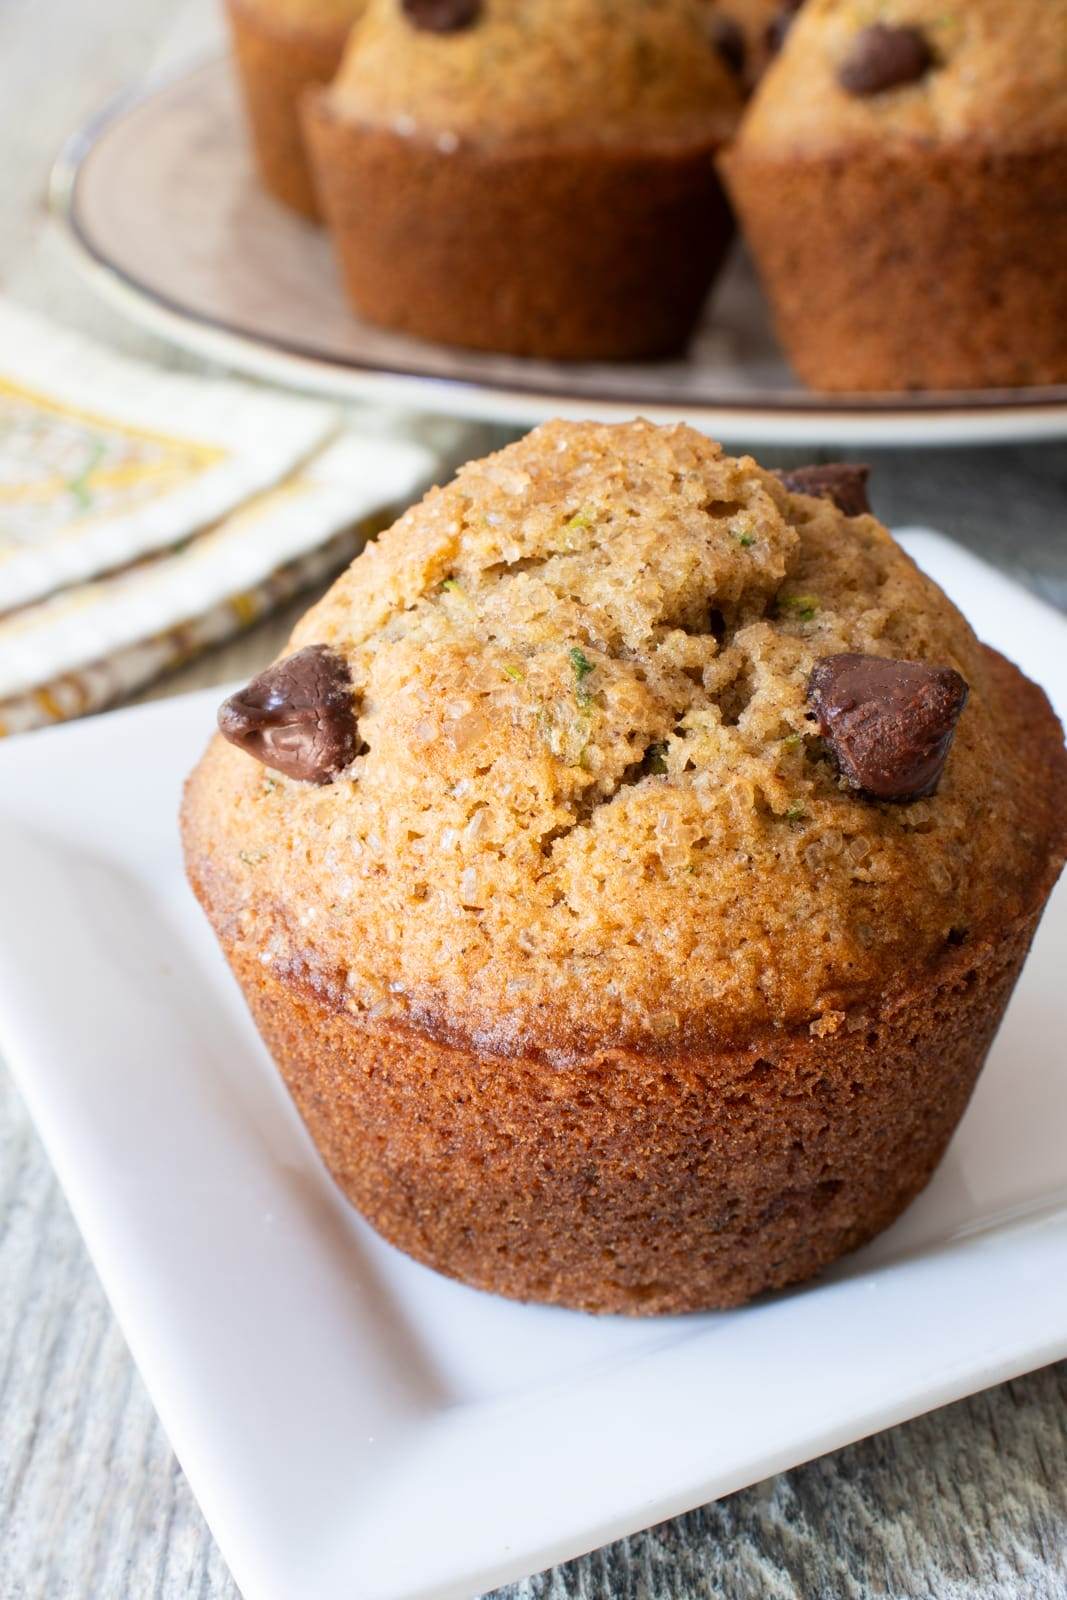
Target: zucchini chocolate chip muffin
[283,48]
[902,179]
[602,871]
[538,179]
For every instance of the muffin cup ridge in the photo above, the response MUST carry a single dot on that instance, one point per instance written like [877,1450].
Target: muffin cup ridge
[464,245]
[911,268]
[645,1185]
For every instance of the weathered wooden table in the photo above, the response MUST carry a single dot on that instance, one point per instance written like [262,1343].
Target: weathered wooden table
[968,1503]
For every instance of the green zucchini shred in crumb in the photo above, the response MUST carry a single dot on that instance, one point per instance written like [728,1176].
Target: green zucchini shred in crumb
[580,662]
[655,761]
[795,814]
[565,734]
[802,606]
[582,668]
[516,674]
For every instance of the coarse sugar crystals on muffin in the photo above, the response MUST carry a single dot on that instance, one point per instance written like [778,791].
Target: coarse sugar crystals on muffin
[900,177]
[595,970]
[508,175]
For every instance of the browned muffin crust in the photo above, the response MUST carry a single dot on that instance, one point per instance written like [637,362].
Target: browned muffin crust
[895,269]
[645,1183]
[600,251]
[279,57]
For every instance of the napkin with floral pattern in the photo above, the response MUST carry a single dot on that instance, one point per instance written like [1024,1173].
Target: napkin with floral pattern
[145,515]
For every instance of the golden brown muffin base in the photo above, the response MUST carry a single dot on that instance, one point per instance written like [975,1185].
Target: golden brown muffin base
[581,253]
[639,1183]
[916,269]
[277,64]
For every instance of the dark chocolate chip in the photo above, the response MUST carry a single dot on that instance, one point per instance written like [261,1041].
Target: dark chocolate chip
[843,482]
[779,25]
[728,39]
[888,724]
[296,717]
[884,58]
[442,16]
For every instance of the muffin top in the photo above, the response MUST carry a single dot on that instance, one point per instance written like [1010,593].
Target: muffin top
[317,16]
[585,802]
[601,69]
[889,71]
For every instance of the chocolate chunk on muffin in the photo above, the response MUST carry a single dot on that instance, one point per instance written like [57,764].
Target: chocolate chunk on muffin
[529,178]
[297,717]
[741,31]
[638,940]
[900,177]
[888,724]
[282,49]
[843,482]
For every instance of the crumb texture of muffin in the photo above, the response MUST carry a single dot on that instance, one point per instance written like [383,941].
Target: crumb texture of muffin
[900,175]
[594,978]
[282,49]
[535,179]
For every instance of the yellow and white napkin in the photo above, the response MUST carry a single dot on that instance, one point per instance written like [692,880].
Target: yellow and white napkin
[146,515]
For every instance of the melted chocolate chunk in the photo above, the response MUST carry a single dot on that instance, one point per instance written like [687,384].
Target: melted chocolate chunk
[843,482]
[884,58]
[442,16]
[296,717]
[888,724]
[779,25]
[728,39]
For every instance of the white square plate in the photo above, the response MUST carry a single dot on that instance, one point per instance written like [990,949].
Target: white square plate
[354,1425]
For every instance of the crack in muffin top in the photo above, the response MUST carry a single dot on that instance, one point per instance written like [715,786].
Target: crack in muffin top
[590,806]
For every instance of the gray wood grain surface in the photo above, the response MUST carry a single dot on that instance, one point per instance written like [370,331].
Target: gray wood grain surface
[968,1503]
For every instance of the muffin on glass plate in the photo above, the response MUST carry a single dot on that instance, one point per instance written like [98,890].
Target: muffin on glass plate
[901,178]
[536,179]
[283,48]
[628,864]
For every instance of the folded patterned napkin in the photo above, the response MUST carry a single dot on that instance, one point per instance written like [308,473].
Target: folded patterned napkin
[146,515]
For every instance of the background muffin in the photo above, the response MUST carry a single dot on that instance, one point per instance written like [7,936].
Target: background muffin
[901,177]
[594,975]
[284,47]
[538,179]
